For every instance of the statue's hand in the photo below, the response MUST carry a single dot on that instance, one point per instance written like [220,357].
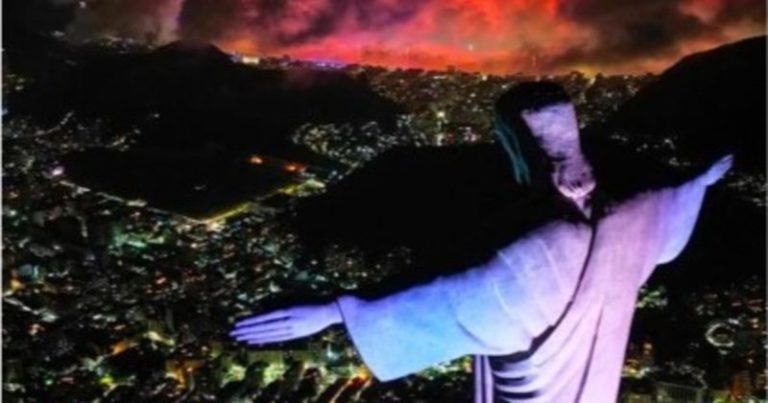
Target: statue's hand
[717,170]
[286,324]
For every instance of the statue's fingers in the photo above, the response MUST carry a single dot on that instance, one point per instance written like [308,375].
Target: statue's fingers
[272,339]
[267,317]
[719,169]
[259,329]
[725,162]
[261,335]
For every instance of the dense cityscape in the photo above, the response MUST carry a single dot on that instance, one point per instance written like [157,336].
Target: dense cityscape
[108,298]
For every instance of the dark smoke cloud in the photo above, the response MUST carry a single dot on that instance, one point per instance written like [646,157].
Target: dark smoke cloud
[147,20]
[490,35]
[207,20]
[753,11]
[629,29]
[278,23]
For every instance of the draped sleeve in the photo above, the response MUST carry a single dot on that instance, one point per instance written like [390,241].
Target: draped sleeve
[494,309]
[678,212]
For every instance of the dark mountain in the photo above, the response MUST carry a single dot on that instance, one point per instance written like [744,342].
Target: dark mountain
[200,114]
[452,206]
[187,95]
[710,102]
[195,185]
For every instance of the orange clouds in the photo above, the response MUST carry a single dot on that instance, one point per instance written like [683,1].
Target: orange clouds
[498,36]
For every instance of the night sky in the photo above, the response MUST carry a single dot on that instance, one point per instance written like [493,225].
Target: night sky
[497,36]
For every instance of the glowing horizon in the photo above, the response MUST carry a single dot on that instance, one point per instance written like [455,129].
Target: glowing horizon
[488,36]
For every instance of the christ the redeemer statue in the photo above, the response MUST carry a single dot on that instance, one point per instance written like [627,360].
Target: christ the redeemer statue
[548,316]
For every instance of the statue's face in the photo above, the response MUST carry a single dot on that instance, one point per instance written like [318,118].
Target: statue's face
[557,132]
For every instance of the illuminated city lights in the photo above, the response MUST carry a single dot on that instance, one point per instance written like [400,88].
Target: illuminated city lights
[256,160]
[108,297]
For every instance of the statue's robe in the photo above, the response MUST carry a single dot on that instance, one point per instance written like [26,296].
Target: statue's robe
[548,317]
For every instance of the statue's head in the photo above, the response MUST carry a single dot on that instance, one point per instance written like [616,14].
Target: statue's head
[536,124]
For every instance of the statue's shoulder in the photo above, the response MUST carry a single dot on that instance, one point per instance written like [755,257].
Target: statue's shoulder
[561,228]
[635,206]
[556,234]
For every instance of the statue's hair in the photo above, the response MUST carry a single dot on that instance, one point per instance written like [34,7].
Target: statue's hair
[512,131]
[530,96]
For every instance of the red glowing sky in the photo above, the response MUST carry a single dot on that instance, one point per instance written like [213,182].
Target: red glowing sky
[496,36]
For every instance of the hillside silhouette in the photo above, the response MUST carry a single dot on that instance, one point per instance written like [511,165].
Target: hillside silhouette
[188,95]
[709,102]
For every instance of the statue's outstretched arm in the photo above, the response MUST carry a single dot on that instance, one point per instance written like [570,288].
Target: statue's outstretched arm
[679,208]
[492,309]
[407,331]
